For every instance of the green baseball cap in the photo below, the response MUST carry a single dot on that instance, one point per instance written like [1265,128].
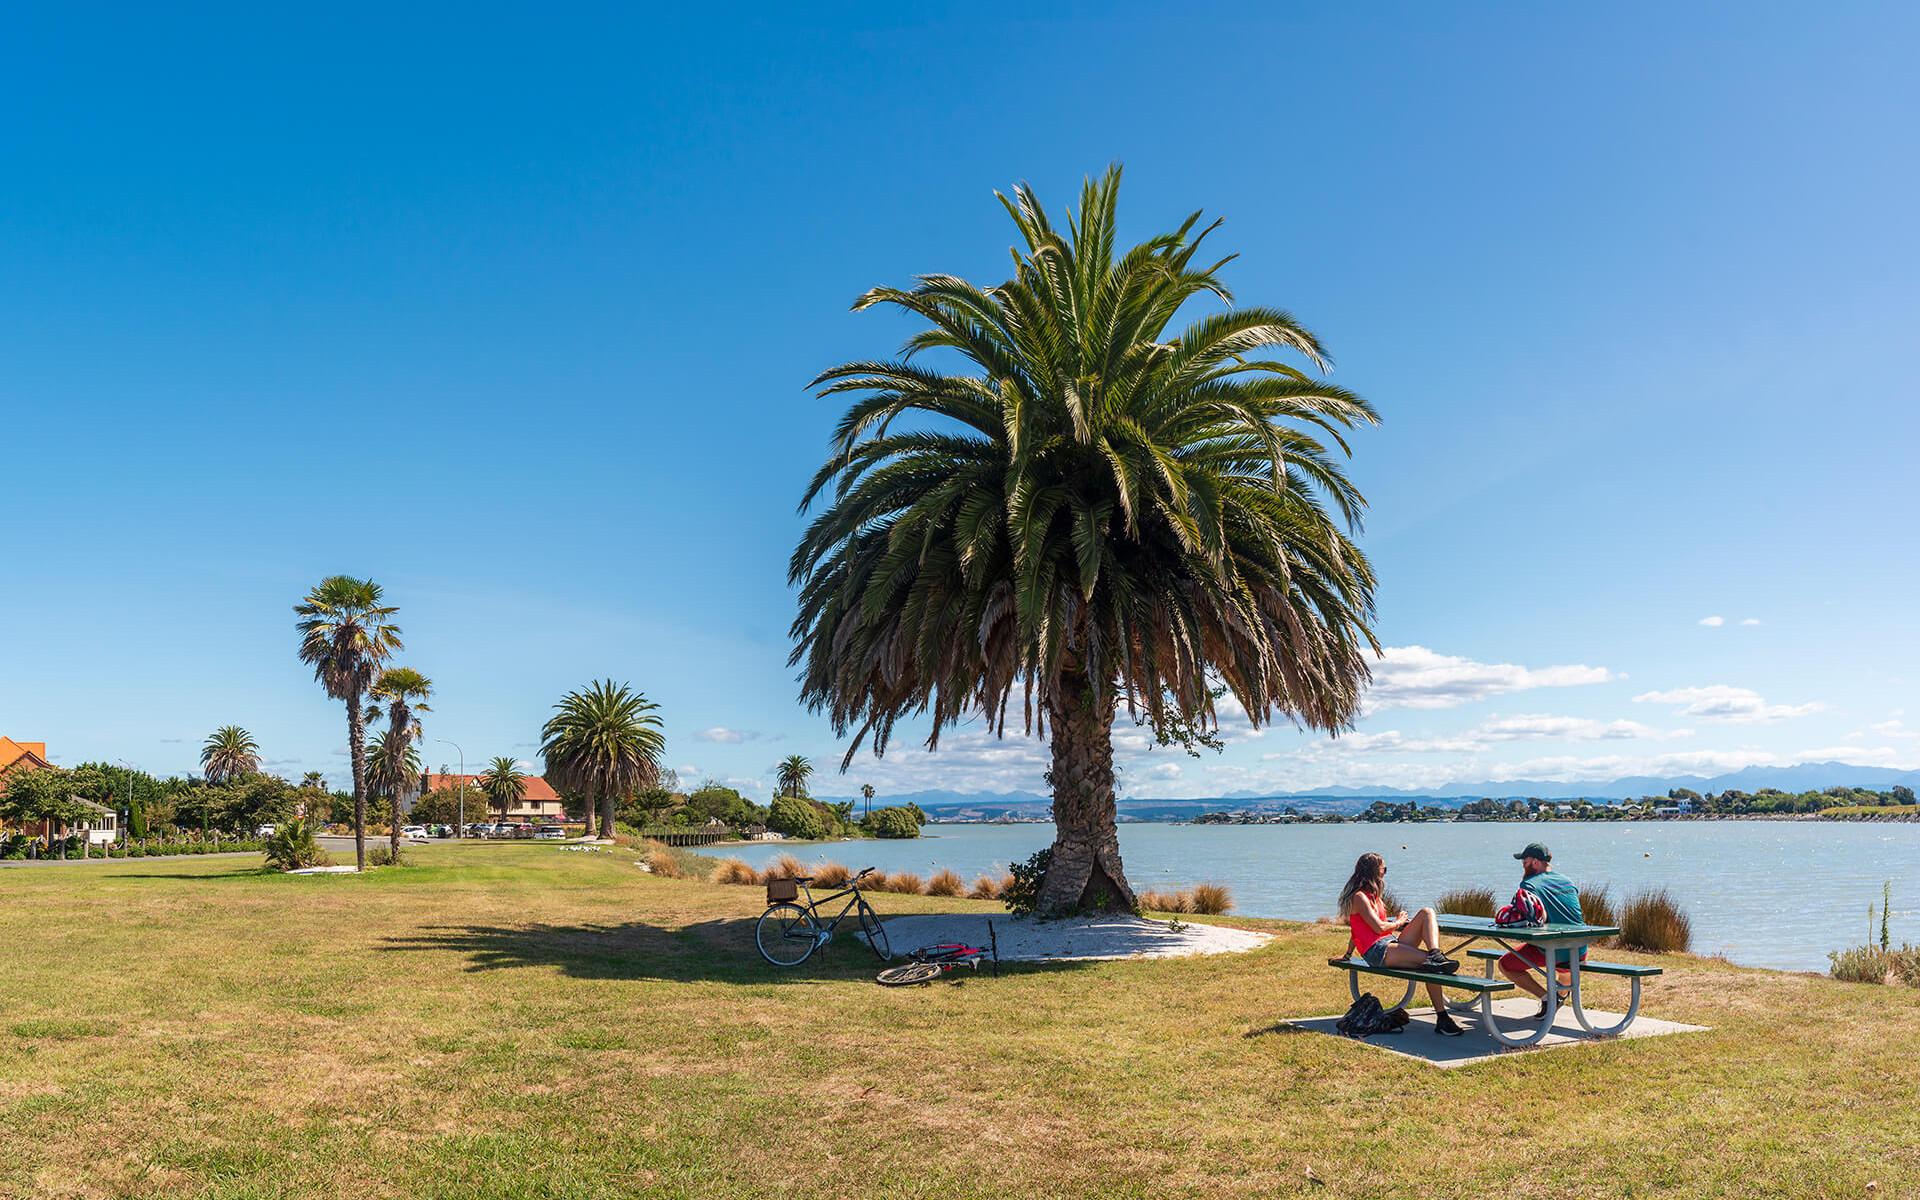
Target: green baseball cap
[1535,850]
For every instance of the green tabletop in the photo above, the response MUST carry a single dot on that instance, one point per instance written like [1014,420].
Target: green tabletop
[1460,926]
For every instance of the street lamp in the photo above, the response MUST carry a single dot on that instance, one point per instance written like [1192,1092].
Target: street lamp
[459,826]
[129,766]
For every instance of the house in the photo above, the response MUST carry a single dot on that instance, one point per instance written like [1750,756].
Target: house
[539,803]
[101,825]
[20,756]
[16,757]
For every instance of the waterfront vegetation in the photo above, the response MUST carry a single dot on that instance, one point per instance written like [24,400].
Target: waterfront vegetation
[509,1021]
[1897,803]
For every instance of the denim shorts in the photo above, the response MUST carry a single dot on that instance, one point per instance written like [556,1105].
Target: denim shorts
[1376,954]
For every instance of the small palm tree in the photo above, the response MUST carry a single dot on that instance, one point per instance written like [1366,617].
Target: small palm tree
[388,771]
[346,633]
[314,779]
[604,743]
[405,692]
[503,785]
[866,795]
[228,754]
[794,771]
[1100,511]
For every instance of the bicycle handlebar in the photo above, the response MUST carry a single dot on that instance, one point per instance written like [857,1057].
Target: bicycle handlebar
[864,872]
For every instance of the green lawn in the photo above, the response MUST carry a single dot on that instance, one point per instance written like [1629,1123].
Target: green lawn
[523,1022]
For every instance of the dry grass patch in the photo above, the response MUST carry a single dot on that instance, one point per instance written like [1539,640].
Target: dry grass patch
[945,883]
[733,871]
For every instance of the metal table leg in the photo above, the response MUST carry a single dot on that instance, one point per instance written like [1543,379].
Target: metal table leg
[1353,985]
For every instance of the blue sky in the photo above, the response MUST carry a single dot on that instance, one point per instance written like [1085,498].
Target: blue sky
[513,310]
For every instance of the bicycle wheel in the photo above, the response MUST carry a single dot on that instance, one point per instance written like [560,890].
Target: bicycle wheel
[910,973]
[875,931]
[786,935]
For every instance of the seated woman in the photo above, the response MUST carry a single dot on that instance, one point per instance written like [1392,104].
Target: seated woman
[1408,943]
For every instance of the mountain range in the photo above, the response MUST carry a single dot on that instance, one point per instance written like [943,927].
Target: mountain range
[1800,777]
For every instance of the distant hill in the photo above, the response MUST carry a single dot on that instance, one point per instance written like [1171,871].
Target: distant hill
[986,806]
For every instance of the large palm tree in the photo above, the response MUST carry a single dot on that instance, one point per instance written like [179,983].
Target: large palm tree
[1098,512]
[603,743]
[405,692]
[229,753]
[503,785]
[794,771]
[346,633]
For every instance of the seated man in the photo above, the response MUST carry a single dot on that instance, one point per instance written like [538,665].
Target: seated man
[1546,897]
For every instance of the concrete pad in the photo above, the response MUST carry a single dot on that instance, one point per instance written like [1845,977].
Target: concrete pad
[1071,939]
[1516,1018]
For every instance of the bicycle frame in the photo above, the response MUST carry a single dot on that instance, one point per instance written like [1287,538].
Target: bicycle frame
[828,925]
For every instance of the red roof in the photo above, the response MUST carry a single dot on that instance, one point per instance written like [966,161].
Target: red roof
[538,790]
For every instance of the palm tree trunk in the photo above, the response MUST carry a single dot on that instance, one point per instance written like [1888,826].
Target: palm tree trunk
[357,754]
[606,817]
[1085,873]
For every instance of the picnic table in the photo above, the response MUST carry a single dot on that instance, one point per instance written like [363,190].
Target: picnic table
[1573,938]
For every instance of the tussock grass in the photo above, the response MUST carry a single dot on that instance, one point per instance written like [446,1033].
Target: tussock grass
[1597,908]
[1211,899]
[985,888]
[783,866]
[662,863]
[945,883]
[1165,902]
[1204,899]
[905,882]
[831,875]
[1466,902]
[733,871]
[1654,922]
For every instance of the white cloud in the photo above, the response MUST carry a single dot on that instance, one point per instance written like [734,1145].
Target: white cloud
[1894,728]
[726,736]
[1750,621]
[1720,702]
[1864,756]
[1713,622]
[1416,677]
[1543,727]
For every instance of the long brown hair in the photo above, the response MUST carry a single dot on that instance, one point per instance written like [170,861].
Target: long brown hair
[1365,878]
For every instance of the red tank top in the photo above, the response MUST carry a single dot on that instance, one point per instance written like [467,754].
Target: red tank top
[1365,935]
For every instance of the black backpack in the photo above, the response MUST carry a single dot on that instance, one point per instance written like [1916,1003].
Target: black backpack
[1366,1018]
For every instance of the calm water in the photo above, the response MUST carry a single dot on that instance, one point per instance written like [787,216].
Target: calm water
[1765,893]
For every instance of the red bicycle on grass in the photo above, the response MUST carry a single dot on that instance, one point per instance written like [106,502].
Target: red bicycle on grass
[931,962]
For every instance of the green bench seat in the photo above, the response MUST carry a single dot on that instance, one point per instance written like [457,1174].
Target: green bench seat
[1466,983]
[1590,967]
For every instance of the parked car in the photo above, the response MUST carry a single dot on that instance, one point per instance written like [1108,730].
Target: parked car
[479,829]
[552,833]
[266,831]
[417,832]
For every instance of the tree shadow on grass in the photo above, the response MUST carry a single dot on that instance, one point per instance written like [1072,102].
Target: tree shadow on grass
[720,951]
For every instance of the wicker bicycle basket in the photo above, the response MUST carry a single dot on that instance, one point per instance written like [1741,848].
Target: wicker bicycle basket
[782,889]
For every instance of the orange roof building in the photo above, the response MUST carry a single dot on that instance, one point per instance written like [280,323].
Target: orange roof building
[540,803]
[20,756]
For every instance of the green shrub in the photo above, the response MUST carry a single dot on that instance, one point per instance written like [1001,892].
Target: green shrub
[293,847]
[796,818]
[1023,893]
[1466,902]
[893,822]
[384,855]
[1862,964]
[1653,922]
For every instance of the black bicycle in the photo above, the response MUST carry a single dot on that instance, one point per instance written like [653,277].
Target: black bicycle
[789,932]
